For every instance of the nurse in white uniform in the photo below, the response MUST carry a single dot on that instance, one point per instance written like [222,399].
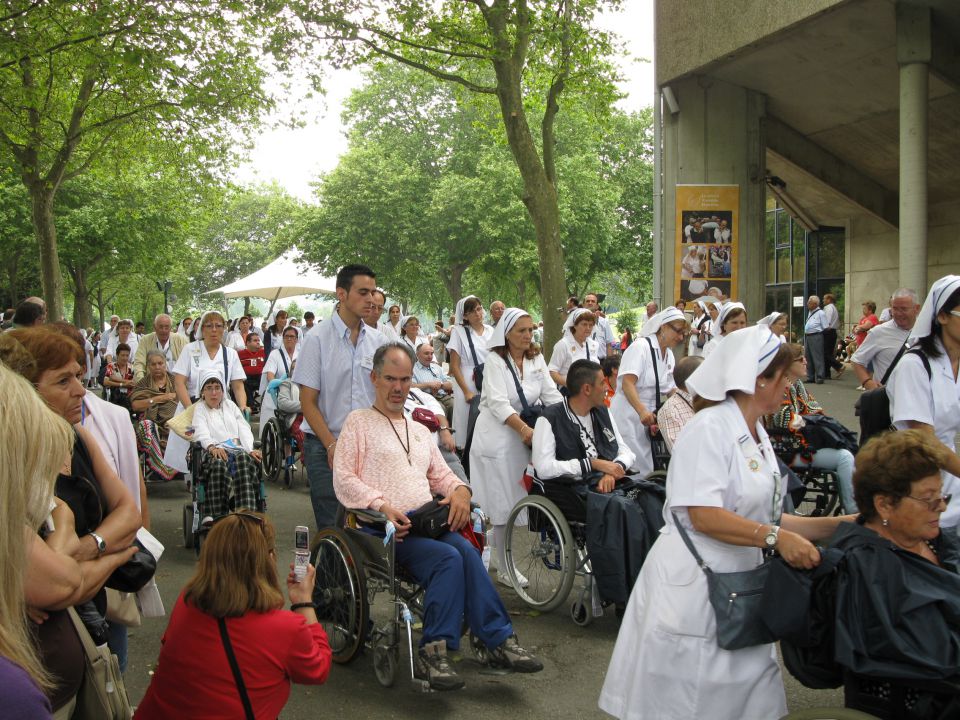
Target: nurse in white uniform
[724,487]
[575,344]
[731,317]
[278,365]
[634,406]
[932,402]
[206,352]
[500,450]
[468,328]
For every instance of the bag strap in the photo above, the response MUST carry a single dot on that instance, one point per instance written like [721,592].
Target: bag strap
[516,381]
[89,649]
[286,368]
[689,543]
[656,373]
[923,358]
[896,359]
[235,668]
[469,333]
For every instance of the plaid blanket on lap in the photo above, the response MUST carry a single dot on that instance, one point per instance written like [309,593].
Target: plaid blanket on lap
[230,484]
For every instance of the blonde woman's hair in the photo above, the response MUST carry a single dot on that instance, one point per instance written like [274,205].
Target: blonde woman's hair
[35,443]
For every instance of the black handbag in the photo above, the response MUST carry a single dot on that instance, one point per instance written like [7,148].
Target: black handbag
[530,413]
[430,520]
[873,406]
[736,598]
[135,573]
[477,365]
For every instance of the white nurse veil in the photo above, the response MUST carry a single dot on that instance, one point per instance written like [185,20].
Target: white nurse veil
[735,364]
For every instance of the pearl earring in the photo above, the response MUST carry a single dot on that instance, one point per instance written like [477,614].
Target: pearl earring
[763,385]
[885,522]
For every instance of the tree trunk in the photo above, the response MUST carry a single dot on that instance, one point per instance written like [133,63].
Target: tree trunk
[540,199]
[246,306]
[522,293]
[12,266]
[452,278]
[46,230]
[82,317]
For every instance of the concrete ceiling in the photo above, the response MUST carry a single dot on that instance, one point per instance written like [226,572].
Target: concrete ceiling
[835,80]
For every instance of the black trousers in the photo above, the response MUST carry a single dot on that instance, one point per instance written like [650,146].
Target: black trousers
[830,350]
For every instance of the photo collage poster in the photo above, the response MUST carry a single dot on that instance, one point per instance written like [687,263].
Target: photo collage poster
[707,240]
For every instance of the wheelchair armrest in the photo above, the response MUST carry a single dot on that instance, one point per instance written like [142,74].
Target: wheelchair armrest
[368,516]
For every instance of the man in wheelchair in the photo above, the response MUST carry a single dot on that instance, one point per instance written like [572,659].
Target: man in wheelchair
[387,463]
[578,450]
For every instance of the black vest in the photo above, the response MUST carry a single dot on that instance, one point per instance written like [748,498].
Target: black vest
[567,434]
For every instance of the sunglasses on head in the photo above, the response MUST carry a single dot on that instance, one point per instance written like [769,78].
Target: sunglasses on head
[247,516]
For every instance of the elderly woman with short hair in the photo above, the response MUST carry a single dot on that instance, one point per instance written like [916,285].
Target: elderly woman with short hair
[154,398]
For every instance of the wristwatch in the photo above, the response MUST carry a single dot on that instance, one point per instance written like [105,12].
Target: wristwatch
[770,539]
[101,543]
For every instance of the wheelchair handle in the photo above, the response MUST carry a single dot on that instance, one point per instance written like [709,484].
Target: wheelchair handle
[367,515]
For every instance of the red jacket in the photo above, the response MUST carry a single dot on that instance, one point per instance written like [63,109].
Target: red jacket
[252,362]
[193,677]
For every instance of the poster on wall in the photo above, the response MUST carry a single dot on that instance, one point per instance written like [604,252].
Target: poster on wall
[707,240]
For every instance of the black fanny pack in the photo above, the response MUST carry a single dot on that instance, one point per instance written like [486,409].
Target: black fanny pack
[430,520]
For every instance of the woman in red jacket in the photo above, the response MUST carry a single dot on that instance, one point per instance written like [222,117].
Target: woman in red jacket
[236,589]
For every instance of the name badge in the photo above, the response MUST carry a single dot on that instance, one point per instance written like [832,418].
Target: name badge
[608,434]
[750,452]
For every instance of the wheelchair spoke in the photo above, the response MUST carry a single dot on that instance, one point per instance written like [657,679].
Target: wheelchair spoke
[339,594]
[541,553]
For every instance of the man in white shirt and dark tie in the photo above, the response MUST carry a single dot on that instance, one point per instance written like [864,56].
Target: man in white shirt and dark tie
[813,340]
[429,377]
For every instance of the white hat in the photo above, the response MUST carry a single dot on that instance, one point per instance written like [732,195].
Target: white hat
[660,319]
[208,374]
[572,318]
[507,321]
[458,315]
[735,364]
[940,292]
[769,319]
[725,310]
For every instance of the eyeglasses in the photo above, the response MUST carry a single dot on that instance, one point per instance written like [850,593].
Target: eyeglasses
[955,312]
[247,516]
[933,504]
[213,326]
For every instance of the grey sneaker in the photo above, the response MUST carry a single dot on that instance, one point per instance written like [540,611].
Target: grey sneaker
[432,665]
[511,655]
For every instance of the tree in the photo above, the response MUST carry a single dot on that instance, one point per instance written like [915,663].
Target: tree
[527,54]
[80,80]
[17,243]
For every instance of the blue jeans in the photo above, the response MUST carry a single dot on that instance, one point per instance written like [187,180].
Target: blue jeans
[320,477]
[457,586]
[840,462]
[117,642]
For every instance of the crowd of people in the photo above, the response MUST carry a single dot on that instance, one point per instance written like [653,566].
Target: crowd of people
[393,417]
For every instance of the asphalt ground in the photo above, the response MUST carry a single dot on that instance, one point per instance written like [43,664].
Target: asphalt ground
[575,658]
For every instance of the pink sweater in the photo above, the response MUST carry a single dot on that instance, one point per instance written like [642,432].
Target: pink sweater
[370,465]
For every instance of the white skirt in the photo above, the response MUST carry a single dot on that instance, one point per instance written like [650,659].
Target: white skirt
[497,460]
[461,408]
[666,664]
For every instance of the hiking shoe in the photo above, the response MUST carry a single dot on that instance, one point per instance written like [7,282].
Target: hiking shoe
[432,665]
[510,655]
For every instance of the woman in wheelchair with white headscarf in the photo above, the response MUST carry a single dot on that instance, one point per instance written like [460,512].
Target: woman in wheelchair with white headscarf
[230,466]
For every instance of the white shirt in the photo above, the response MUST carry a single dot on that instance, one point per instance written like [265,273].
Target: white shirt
[831,317]
[194,359]
[816,322]
[602,335]
[500,398]
[544,454]
[115,340]
[880,347]
[217,425]
[934,401]
[460,345]
[236,340]
[566,351]
[413,344]
[275,365]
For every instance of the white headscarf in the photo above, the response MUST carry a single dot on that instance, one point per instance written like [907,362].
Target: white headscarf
[458,315]
[403,322]
[198,324]
[210,373]
[769,319]
[663,317]
[725,310]
[735,364]
[572,318]
[940,292]
[507,321]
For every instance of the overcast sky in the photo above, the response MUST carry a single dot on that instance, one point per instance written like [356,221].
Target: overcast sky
[295,157]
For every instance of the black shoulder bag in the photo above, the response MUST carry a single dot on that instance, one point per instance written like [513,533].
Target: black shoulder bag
[477,365]
[873,406]
[235,668]
[736,598]
[530,413]
[658,445]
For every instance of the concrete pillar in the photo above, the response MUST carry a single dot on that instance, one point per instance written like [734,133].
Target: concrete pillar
[913,56]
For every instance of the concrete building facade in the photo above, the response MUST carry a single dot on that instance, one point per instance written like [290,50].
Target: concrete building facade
[841,114]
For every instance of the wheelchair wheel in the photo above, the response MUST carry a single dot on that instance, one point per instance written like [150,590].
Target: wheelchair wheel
[540,548]
[271,446]
[188,525]
[581,613]
[386,660]
[821,496]
[340,593]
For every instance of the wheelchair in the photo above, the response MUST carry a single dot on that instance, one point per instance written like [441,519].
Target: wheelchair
[352,568]
[819,495]
[274,436]
[193,532]
[546,542]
